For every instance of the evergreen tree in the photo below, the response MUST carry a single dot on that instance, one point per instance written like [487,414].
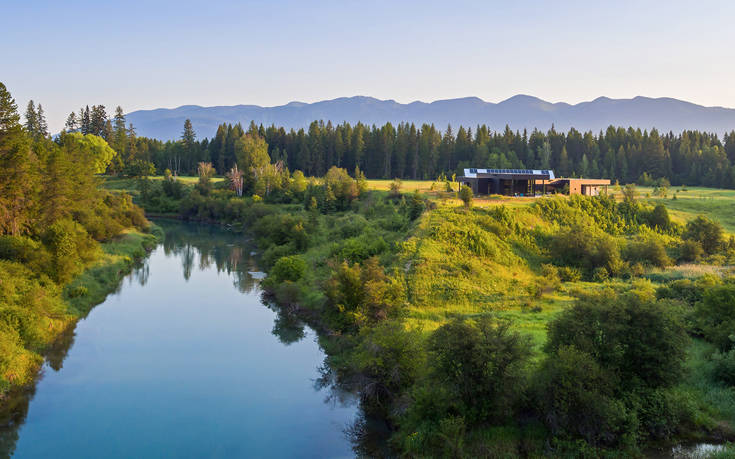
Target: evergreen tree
[97,120]
[31,120]
[9,118]
[84,123]
[71,123]
[564,166]
[188,141]
[41,124]
[18,170]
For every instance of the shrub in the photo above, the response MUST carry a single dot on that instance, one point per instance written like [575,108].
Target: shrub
[388,359]
[465,195]
[616,331]
[600,274]
[586,249]
[416,205]
[576,398]
[687,290]
[550,273]
[724,367]
[659,218]
[647,250]
[361,294]
[291,268]
[24,250]
[395,187]
[71,249]
[707,232]
[569,274]
[482,363]
[715,316]
[171,186]
[690,251]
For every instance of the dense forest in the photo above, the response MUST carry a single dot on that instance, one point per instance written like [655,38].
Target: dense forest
[409,152]
[53,217]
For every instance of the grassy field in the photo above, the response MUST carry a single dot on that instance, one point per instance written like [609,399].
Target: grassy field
[445,282]
[715,203]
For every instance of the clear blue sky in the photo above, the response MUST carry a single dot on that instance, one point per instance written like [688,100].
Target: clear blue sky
[170,53]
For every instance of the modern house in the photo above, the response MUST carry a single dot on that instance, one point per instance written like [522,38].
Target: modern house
[528,182]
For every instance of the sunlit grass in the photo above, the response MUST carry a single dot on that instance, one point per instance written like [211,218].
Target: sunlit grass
[104,276]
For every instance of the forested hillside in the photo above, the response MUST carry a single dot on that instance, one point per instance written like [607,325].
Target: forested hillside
[424,152]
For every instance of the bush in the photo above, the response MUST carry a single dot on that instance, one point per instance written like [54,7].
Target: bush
[172,187]
[647,250]
[600,275]
[687,290]
[483,365]
[465,195]
[395,187]
[71,249]
[616,331]
[388,359]
[361,294]
[724,367]
[659,218]
[416,205]
[707,232]
[690,251]
[569,274]
[576,398]
[715,316]
[291,268]
[586,249]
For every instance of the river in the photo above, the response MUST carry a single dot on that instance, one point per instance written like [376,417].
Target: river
[184,360]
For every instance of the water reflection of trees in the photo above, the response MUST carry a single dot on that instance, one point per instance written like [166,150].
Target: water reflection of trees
[205,246]
[202,247]
[368,434]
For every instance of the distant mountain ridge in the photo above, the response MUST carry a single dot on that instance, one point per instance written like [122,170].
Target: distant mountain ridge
[518,112]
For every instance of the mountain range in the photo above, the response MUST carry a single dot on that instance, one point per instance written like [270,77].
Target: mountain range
[518,112]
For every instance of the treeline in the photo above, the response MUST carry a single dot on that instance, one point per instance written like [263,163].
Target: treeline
[408,151]
[52,217]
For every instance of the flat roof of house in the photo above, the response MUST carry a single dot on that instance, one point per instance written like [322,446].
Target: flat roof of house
[509,173]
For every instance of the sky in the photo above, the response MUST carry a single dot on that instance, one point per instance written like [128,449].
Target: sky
[144,55]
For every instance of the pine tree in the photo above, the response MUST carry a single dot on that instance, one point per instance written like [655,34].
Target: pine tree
[9,118]
[31,120]
[71,123]
[107,132]
[564,168]
[97,120]
[18,170]
[188,141]
[41,124]
[84,123]
[120,135]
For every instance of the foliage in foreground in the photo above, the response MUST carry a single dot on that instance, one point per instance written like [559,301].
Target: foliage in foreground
[53,219]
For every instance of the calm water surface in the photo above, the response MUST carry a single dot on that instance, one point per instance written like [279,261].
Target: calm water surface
[185,361]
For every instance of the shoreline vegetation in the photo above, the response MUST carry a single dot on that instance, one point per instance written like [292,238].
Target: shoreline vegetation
[79,296]
[65,242]
[413,294]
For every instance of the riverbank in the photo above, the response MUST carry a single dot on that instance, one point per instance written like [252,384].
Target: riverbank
[395,282]
[52,311]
